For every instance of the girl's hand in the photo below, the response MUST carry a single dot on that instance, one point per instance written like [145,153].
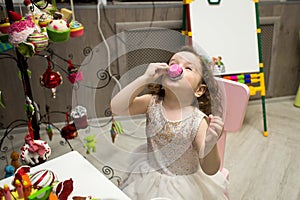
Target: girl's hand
[213,133]
[155,70]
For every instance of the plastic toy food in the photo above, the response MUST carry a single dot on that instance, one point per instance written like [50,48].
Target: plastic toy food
[175,72]
[43,178]
[34,151]
[41,185]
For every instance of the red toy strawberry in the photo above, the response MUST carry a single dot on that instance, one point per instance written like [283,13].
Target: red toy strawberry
[15,16]
[26,2]
[64,189]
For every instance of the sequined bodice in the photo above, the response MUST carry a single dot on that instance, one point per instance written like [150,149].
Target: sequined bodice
[170,143]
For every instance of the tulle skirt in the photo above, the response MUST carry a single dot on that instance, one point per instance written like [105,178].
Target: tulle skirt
[145,183]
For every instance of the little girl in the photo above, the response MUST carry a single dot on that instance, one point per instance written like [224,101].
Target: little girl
[181,160]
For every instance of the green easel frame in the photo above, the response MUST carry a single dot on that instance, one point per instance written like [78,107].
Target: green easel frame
[259,78]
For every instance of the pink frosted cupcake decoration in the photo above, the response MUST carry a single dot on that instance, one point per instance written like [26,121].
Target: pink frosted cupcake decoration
[19,31]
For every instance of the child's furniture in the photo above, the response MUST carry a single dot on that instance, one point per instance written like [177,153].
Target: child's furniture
[236,97]
[297,99]
[88,181]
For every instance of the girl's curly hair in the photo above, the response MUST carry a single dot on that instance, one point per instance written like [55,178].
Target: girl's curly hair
[210,101]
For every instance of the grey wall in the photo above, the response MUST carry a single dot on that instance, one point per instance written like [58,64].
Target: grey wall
[283,72]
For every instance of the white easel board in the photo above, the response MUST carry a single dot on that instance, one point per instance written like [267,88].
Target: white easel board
[227,30]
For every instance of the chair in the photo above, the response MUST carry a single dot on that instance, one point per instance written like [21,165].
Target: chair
[235,99]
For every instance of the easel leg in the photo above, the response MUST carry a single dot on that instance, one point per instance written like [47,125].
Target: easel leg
[263,99]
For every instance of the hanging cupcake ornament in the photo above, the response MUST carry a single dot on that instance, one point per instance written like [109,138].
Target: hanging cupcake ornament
[20,29]
[39,40]
[76,28]
[4,20]
[4,25]
[51,79]
[58,29]
[79,115]
[44,20]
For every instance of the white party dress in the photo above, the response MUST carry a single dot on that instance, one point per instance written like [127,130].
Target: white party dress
[168,165]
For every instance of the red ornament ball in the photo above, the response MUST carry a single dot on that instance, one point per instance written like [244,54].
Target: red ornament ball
[51,79]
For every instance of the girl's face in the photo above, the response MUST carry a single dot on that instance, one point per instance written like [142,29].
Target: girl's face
[192,76]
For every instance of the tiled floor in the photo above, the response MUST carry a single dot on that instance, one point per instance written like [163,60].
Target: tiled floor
[261,168]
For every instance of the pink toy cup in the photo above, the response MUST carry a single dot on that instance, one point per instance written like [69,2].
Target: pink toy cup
[175,72]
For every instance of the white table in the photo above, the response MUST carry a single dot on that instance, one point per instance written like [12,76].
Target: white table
[87,180]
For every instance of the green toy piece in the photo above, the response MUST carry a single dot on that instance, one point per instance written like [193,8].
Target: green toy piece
[28,73]
[4,45]
[27,49]
[41,194]
[90,143]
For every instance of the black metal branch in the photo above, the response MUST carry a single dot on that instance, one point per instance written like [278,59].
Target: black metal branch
[39,6]
[54,112]
[9,129]
[49,123]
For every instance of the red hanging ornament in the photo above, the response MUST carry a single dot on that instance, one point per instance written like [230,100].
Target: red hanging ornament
[51,79]
[74,75]
[69,131]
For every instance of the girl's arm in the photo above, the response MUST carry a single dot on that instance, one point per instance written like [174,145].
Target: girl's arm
[206,143]
[210,164]
[127,102]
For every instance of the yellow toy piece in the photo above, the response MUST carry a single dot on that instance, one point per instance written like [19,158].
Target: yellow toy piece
[297,99]
[66,13]
[187,1]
